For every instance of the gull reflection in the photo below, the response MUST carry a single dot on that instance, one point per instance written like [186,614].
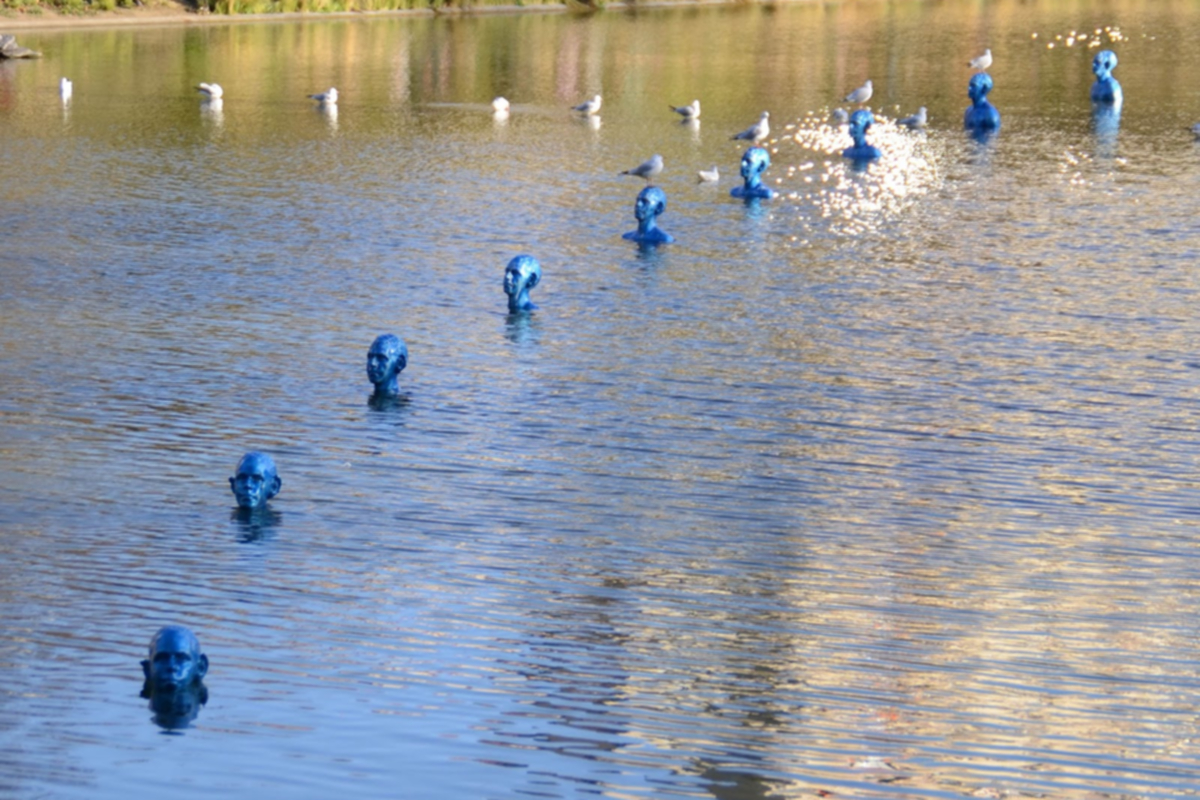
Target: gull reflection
[330,112]
[212,111]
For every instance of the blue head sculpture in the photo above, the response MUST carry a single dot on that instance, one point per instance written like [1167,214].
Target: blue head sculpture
[386,359]
[1105,89]
[651,202]
[860,122]
[175,661]
[981,115]
[754,163]
[174,674]
[256,480]
[520,276]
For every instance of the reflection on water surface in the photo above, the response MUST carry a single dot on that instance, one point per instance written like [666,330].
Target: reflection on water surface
[882,488]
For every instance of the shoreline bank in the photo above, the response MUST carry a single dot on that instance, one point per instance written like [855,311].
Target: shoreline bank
[172,13]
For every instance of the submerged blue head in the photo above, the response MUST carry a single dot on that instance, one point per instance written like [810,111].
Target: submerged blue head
[981,115]
[520,276]
[256,480]
[860,123]
[174,661]
[1106,89]
[651,202]
[386,359]
[754,163]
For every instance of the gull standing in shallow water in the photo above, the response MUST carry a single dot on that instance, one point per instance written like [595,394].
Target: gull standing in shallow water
[211,91]
[982,62]
[860,95]
[708,175]
[588,107]
[647,169]
[65,89]
[500,105]
[327,98]
[916,121]
[758,131]
[688,112]
[1196,130]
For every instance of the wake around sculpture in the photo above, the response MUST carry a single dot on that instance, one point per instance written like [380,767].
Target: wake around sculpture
[174,676]
[1106,89]
[520,276]
[651,202]
[754,163]
[981,116]
[860,123]
[256,480]
[386,359]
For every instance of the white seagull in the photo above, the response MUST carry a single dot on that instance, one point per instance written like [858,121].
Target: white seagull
[212,91]
[688,112]
[326,98]
[758,131]
[914,122]
[500,105]
[647,169]
[708,175]
[64,89]
[982,62]
[588,107]
[840,116]
[860,95]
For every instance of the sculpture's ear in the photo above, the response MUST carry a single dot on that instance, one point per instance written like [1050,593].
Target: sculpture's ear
[276,485]
[201,666]
[231,483]
[401,362]
[534,279]
[146,668]
[660,207]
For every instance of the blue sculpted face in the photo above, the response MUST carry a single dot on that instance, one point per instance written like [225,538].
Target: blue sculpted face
[520,276]
[754,163]
[175,660]
[651,202]
[978,88]
[256,480]
[386,359]
[860,123]
[1104,63]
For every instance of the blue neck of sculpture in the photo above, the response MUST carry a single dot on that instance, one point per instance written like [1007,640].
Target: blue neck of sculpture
[648,232]
[520,302]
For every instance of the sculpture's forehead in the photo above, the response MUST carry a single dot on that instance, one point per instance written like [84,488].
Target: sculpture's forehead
[174,640]
[255,464]
[652,194]
[522,265]
[386,344]
[756,157]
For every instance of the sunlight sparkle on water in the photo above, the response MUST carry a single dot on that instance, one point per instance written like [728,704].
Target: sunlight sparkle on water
[852,199]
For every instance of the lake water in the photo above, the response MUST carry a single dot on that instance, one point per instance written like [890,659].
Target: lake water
[884,488]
